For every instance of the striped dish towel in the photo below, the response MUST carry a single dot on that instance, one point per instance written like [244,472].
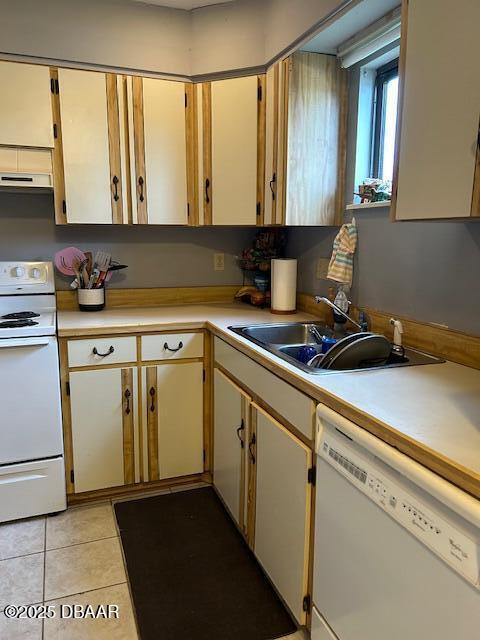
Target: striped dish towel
[340,268]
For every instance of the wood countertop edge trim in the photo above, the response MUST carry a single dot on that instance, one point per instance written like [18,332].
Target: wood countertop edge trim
[451,471]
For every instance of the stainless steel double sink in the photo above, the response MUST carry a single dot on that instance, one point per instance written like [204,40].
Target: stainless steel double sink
[287,340]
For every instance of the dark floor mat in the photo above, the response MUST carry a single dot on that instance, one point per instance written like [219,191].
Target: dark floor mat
[191,573]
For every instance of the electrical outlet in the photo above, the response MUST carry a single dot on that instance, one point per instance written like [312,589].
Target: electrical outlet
[322,268]
[219,261]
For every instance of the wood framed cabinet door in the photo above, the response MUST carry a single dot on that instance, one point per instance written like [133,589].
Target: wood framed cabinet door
[315,88]
[172,406]
[88,161]
[276,111]
[283,497]
[104,409]
[437,165]
[161,139]
[231,427]
[232,153]
[25,108]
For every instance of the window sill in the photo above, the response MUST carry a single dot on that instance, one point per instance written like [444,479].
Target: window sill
[369,205]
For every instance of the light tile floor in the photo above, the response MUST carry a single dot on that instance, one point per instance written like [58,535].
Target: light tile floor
[72,558]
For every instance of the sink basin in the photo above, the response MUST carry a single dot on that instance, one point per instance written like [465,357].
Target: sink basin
[288,340]
[289,333]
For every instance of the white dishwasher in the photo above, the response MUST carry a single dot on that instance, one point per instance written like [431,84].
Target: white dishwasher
[397,548]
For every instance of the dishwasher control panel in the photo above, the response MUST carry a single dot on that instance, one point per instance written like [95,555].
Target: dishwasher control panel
[451,544]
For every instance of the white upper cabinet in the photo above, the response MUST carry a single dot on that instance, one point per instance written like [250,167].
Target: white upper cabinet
[158,148]
[230,151]
[89,112]
[25,106]
[438,130]
[306,98]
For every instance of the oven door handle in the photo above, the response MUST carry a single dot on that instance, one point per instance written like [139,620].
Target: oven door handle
[9,343]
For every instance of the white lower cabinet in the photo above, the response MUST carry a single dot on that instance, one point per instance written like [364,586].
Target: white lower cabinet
[263,474]
[231,422]
[172,406]
[104,427]
[282,509]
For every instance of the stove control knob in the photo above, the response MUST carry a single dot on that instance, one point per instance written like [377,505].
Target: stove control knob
[19,272]
[36,273]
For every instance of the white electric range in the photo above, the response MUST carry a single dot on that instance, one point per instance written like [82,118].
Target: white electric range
[32,475]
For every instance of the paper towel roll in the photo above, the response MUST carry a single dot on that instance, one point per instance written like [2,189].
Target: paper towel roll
[284,285]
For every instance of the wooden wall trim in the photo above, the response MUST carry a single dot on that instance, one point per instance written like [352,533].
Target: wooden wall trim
[207,153]
[113,118]
[476,181]
[261,131]
[191,141]
[67,300]
[139,145]
[57,154]
[450,344]
[152,422]
[128,413]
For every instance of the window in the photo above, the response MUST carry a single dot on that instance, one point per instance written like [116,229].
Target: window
[386,101]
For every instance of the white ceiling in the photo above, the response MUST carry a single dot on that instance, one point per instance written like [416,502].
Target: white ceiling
[183,4]
[353,21]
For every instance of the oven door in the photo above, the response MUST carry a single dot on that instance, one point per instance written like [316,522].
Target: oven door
[30,423]
[373,580]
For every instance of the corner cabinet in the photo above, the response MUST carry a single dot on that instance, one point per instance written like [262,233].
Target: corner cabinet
[231,426]
[121,148]
[306,110]
[282,497]
[263,473]
[437,168]
[134,411]
[231,152]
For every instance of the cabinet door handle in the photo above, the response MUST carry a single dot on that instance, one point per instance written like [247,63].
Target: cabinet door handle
[251,444]
[241,428]
[152,396]
[141,182]
[207,186]
[167,348]
[272,182]
[115,181]
[102,355]
[127,395]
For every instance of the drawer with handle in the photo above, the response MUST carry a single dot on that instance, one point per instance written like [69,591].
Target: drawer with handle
[172,346]
[95,351]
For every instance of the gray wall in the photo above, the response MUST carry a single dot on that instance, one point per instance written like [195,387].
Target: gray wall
[429,271]
[142,37]
[157,256]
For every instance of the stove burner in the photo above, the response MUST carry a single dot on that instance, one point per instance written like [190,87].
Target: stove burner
[21,315]
[12,324]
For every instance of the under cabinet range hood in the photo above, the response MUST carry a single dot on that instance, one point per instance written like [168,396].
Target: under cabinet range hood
[23,169]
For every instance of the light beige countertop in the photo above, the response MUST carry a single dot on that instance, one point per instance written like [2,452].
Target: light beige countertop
[430,412]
